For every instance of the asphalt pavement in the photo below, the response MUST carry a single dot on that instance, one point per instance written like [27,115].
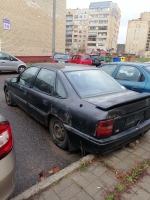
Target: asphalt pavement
[35,151]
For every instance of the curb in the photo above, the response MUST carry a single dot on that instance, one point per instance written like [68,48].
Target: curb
[50,180]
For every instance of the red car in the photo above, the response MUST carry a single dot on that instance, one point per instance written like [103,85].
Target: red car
[81,59]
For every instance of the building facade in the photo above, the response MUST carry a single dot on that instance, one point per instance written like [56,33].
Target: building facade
[26,27]
[138,35]
[96,27]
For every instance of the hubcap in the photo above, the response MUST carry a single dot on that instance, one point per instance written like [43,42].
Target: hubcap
[58,131]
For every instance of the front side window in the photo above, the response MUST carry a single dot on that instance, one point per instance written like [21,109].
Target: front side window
[27,76]
[128,73]
[89,83]
[45,81]
[109,69]
[4,56]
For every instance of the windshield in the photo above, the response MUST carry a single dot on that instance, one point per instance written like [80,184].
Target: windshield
[61,56]
[89,83]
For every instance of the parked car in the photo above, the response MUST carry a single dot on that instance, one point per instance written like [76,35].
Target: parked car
[60,58]
[134,76]
[96,61]
[83,106]
[7,160]
[81,59]
[11,63]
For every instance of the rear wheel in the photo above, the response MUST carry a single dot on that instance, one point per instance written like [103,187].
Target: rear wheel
[21,69]
[8,98]
[58,133]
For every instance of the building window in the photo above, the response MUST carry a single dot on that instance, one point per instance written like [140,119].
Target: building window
[103,21]
[91,44]
[93,16]
[75,26]
[92,34]
[103,15]
[93,28]
[76,16]
[75,31]
[102,28]
[102,33]
[93,22]
[75,40]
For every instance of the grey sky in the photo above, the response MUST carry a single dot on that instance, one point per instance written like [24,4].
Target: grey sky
[130,9]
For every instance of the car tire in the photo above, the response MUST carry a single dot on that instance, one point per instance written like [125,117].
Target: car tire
[58,133]
[8,98]
[21,69]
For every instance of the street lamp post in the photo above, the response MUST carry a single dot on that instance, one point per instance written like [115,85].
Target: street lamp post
[54,27]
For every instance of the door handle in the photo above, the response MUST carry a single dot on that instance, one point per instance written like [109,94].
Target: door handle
[45,102]
[135,87]
[3,62]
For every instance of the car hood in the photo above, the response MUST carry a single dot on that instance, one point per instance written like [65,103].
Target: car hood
[110,101]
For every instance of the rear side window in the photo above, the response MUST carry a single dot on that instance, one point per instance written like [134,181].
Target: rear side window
[60,90]
[128,73]
[109,69]
[45,81]
[27,76]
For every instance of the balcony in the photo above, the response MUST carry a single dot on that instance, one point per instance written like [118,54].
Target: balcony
[69,23]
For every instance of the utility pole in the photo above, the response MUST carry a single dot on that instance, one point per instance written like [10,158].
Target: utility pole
[54,27]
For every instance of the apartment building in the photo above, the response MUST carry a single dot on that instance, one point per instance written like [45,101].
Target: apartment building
[138,35]
[26,27]
[96,27]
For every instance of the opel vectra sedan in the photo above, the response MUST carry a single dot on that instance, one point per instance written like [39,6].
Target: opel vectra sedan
[83,106]
[11,63]
[7,160]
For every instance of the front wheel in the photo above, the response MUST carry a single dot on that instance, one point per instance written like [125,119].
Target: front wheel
[21,69]
[8,98]
[58,133]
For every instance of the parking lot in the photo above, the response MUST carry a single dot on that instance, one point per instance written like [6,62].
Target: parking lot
[35,152]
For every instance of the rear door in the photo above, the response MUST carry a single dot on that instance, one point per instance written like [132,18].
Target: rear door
[131,77]
[86,60]
[40,96]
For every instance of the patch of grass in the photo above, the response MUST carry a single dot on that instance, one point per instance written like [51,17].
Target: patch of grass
[106,164]
[120,186]
[142,59]
[84,167]
[55,183]
[110,197]
[145,165]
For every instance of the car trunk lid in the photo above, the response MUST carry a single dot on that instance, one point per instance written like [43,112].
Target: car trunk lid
[128,108]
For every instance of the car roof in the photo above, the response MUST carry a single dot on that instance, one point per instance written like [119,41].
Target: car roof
[140,64]
[64,66]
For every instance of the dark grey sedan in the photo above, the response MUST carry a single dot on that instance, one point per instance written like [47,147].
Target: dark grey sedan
[82,106]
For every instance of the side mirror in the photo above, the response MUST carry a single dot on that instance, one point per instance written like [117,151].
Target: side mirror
[14,80]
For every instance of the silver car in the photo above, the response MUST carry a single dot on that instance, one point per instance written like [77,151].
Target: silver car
[11,63]
[7,160]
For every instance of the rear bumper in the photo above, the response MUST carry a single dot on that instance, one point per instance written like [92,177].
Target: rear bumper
[107,145]
[7,175]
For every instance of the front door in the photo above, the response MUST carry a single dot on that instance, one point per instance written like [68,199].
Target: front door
[20,89]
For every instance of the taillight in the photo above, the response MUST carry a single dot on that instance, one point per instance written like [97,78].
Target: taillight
[104,128]
[53,61]
[6,141]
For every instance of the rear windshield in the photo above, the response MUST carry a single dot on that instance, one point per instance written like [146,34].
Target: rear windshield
[61,56]
[89,83]
[109,69]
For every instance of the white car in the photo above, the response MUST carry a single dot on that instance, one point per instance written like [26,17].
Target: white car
[11,63]
[7,160]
